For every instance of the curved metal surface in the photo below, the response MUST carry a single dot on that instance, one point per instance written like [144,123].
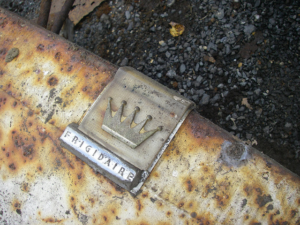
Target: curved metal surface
[205,176]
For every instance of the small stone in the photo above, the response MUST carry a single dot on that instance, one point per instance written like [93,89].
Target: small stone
[170,2]
[220,85]
[127,15]
[242,108]
[182,68]
[272,21]
[195,98]
[225,93]
[205,99]
[197,67]
[215,98]
[220,14]
[234,116]
[163,49]
[199,79]
[257,91]
[248,136]
[266,130]
[227,49]
[162,43]
[259,81]
[130,26]
[212,46]
[257,3]
[153,29]
[249,29]
[200,92]
[288,126]
[124,62]
[171,73]
[168,54]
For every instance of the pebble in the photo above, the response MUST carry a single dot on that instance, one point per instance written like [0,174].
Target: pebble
[220,14]
[127,15]
[249,29]
[257,91]
[248,136]
[130,26]
[199,79]
[163,49]
[205,99]
[182,68]
[266,130]
[170,2]
[171,73]
[124,62]
[215,98]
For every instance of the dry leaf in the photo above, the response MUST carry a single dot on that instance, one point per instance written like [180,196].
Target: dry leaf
[245,103]
[209,58]
[254,142]
[82,8]
[176,29]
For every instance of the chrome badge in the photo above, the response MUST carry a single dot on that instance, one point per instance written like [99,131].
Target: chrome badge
[128,128]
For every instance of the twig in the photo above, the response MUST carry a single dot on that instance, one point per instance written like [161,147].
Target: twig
[44,13]
[62,15]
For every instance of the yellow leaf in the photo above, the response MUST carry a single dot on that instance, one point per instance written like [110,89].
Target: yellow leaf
[240,64]
[176,29]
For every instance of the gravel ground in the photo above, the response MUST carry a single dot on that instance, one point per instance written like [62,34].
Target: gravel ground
[238,60]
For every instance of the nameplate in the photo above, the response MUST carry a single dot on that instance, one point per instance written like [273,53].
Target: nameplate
[96,155]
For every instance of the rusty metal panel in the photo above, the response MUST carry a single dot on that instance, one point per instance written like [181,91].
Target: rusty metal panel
[205,176]
[59,80]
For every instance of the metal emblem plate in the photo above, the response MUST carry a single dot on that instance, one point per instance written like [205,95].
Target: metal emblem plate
[128,127]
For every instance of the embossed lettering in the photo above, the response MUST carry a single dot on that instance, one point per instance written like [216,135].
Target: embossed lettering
[115,166]
[81,143]
[130,176]
[101,156]
[107,162]
[88,148]
[94,152]
[121,171]
[75,139]
[67,134]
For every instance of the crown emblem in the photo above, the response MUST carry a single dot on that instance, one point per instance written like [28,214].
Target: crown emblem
[126,130]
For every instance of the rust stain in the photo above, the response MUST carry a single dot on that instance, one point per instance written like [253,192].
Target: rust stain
[139,205]
[52,81]
[145,194]
[16,205]
[51,220]
[189,184]
[24,187]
